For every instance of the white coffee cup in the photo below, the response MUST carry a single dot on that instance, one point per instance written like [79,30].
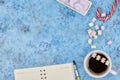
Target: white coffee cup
[109,70]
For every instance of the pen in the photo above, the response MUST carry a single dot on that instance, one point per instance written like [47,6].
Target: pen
[76,70]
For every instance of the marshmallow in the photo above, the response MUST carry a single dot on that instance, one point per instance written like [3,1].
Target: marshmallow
[102,28]
[93,46]
[94,55]
[90,33]
[99,32]
[91,24]
[95,37]
[89,41]
[96,27]
[103,15]
[98,57]
[94,33]
[109,42]
[103,60]
[107,63]
[94,19]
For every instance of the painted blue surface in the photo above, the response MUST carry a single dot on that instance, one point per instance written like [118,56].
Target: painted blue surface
[35,33]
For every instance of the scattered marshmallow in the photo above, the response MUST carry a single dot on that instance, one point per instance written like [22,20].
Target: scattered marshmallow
[96,27]
[99,32]
[107,63]
[95,37]
[89,41]
[93,46]
[102,28]
[90,33]
[94,19]
[98,57]
[91,24]
[109,42]
[103,15]
[96,32]
[94,55]
[93,33]
[103,60]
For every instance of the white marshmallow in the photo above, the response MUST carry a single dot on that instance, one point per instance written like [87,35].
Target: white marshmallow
[93,46]
[91,24]
[107,63]
[98,57]
[89,41]
[99,32]
[95,37]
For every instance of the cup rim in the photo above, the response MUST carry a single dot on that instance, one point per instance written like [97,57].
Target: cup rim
[99,76]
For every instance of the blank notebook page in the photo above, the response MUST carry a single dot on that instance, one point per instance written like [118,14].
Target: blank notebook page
[55,72]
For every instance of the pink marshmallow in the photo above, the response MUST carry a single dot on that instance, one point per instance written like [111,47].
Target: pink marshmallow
[103,15]
[94,55]
[103,60]
[96,27]
[102,28]
[94,19]
[93,33]
[90,32]
[109,42]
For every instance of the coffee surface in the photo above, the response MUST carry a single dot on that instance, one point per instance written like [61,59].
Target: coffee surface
[97,66]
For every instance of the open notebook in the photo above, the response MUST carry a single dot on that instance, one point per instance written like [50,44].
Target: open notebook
[55,72]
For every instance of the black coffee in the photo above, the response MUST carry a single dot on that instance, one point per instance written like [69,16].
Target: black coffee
[97,64]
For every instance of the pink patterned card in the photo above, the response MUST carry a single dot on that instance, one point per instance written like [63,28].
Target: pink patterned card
[80,6]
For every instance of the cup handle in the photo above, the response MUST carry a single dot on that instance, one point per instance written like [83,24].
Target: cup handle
[113,72]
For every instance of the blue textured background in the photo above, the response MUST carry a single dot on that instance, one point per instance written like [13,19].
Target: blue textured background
[35,33]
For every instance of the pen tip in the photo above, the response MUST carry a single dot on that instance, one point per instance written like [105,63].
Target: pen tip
[74,62]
